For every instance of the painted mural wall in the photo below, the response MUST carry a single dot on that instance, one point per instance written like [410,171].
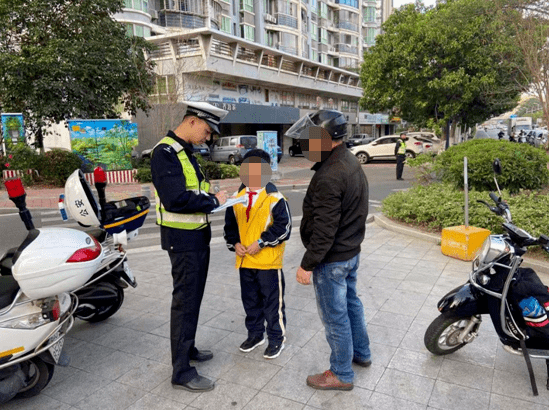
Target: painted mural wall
[107,143]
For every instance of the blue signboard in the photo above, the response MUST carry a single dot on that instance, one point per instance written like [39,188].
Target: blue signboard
[267,141]
[13,128]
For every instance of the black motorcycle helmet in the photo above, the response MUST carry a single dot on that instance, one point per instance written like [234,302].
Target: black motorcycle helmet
[332,121]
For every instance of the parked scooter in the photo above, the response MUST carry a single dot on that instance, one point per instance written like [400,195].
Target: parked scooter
[36,309]
[114,224]
[494,288]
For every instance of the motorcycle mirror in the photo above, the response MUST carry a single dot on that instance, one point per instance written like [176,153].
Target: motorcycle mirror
[497,166]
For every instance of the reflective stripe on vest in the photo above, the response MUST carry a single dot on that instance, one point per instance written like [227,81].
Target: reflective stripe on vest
[402,148]
[176,220]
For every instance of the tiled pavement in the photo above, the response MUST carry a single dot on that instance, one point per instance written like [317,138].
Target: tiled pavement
[124,363]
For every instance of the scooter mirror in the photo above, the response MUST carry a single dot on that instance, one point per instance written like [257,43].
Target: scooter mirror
[497,166]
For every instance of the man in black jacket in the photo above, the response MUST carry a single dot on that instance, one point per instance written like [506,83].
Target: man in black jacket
[332,228]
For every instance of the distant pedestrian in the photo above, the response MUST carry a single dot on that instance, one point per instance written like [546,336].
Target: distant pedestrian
[400,152]
[257,233]
[335,209]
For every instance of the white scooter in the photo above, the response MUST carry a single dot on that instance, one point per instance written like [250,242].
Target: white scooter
[113,224]
[36,306]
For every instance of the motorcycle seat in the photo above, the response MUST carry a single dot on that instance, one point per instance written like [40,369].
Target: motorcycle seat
[8,290]
[6,263]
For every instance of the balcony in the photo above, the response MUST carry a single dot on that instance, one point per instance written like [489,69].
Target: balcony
[345,25]
[287,49]
[346,48]
[286,20]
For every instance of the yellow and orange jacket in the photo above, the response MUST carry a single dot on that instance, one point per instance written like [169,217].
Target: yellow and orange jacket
[270,220]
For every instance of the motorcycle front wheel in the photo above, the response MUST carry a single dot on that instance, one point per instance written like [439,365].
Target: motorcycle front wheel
[442,335]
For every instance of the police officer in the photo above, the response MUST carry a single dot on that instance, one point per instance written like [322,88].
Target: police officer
[182,205]
[400,152]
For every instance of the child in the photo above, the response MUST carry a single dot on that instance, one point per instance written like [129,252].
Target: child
[256,231]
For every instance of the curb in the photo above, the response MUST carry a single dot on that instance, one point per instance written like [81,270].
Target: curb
[541,268]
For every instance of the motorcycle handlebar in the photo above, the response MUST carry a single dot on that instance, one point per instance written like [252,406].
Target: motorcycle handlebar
[494,198]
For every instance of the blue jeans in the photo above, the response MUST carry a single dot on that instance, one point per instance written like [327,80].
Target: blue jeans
[342,314]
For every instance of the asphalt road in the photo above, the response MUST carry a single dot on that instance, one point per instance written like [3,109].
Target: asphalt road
[381,178]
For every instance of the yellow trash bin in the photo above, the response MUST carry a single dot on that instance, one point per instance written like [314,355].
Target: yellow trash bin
[463,242]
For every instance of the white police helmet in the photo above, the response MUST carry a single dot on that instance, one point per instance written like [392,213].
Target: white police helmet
[80,200]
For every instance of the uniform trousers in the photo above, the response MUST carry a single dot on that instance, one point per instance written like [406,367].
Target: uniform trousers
[262,293]
[400,165]
[189,272]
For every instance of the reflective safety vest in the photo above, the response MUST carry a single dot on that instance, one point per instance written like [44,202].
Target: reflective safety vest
[402,148]
[183,221]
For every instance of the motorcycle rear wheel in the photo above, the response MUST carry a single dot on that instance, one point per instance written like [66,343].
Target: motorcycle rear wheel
[39,374]
[103,312]
[441,337]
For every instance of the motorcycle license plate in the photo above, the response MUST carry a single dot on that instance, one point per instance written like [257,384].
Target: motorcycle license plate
[56,349]
[128,273]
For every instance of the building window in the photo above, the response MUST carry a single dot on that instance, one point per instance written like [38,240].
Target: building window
[352,3]
[248,32]
[323,36]
[369,15]
[247,5]
[323,58]
[313,5]
[226,24]
[142,5]
[314,31]
[370,36]
[164,89]
[323,10]
[146,32]
[353,106]
[287,99]
[129,30]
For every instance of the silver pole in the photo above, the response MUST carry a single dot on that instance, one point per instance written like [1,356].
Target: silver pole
[466,188]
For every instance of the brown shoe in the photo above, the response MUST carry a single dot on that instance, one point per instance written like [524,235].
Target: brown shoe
[327,381]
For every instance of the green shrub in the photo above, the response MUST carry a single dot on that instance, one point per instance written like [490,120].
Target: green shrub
[20,157]
[144,174]
[229,171]
[440,205]
[57,165]
[524,166]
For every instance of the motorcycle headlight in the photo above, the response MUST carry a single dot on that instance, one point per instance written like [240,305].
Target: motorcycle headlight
[493,247]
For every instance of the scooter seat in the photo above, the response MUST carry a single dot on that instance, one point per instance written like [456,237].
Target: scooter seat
[6,263]
[8,290]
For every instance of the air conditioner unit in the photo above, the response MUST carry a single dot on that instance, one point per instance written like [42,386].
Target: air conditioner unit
[154,14]
[269,18]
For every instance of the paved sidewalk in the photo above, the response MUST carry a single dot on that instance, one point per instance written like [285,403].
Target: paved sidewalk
[124,362]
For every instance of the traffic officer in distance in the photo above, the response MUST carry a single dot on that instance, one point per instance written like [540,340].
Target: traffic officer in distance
[400,152]
[182,204]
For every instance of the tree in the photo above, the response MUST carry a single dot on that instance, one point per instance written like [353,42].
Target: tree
[452,63]
[530,20]
[62,59]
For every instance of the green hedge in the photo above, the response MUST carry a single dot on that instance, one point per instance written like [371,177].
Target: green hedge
[524,166]
[440,205]
[55,166]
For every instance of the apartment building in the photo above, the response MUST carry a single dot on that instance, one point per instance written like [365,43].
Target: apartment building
[267,62]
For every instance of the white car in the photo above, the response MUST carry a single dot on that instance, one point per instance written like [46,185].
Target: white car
[384,148]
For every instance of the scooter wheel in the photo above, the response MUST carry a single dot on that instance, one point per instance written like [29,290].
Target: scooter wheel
[38,374]
[441,337]
[105,312]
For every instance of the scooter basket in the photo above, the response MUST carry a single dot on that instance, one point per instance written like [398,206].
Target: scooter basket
[127,214]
